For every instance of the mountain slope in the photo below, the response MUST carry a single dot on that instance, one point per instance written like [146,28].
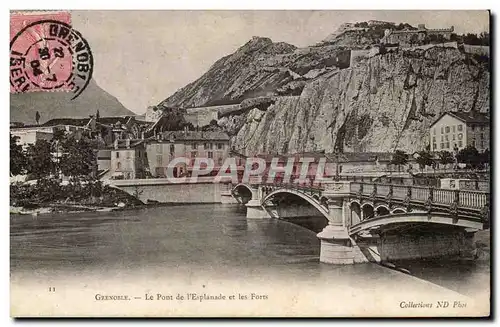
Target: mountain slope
[384,103]
[23,106]
[347,91]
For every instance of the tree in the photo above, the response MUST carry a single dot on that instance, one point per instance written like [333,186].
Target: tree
[469,156]
[37,118]
[446,157]
[212,126]
[424,158]
[399,158]
[78,158]
[17,157]
[39,159]
[484,158]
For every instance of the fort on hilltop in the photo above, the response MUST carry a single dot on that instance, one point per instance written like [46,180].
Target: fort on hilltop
[409,36]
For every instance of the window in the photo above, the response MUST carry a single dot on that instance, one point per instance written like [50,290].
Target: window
[459,128]
[118,165]
[482,144]
[442,138]
[433,139]
[460,135]
[219,162]
[117,154]
[128,154]
[446,137]
[482,136]
[220,146]
[453,137]
[442,145]
[205,146]
[193,154]
[453,128]
[454,145]
[473,127]
[447,129]
[442,130]
[434,146]
[447,145]
[194,146]
[460,144]
[172,149]
[159,148]
[210,154]
[474,143]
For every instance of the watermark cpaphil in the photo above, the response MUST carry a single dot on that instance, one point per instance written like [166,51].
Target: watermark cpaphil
[255,170]
[48,55]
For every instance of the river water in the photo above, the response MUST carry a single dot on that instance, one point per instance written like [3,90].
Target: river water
[205,243]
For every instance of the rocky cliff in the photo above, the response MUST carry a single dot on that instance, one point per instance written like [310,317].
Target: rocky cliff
[382,102]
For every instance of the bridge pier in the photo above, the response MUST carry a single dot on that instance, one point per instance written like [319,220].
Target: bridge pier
[255,210]
[335,244]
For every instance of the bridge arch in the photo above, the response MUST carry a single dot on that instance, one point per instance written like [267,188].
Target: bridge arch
[367,211]
[417,217]
[242,192]
[315,203]
[398,211]
[382,210]
[355,208]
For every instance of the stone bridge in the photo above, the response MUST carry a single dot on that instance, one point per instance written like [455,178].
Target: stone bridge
[374,222]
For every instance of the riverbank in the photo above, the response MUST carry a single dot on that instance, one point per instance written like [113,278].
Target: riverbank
[67,208]
[49,195]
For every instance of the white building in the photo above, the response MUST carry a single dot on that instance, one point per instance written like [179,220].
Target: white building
[456,130]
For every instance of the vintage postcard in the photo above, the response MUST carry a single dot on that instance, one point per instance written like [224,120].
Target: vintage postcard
[250,163]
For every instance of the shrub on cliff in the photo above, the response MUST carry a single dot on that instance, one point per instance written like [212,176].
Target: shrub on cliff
[261,103]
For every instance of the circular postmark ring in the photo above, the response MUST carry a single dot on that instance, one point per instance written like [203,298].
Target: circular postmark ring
[62,59]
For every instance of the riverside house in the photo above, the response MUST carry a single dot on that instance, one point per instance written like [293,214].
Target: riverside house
[456,130]
[128,159]
[166,146]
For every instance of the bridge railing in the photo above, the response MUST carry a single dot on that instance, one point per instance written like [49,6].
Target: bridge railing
[472,199]
[399,191]
[419,193]
[463,198]
[444,196]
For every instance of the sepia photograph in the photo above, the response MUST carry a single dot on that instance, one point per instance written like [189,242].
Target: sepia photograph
[250,163]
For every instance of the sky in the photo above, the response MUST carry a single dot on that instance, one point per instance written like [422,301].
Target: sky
[143,57]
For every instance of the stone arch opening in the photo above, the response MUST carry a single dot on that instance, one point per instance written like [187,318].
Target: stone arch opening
[367,211]
[242,193]
[382,211]
[355,213]
[399,210]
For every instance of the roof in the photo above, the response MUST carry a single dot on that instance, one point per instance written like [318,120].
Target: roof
[84,121]
[66,121]
[471,117]
[195,135]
